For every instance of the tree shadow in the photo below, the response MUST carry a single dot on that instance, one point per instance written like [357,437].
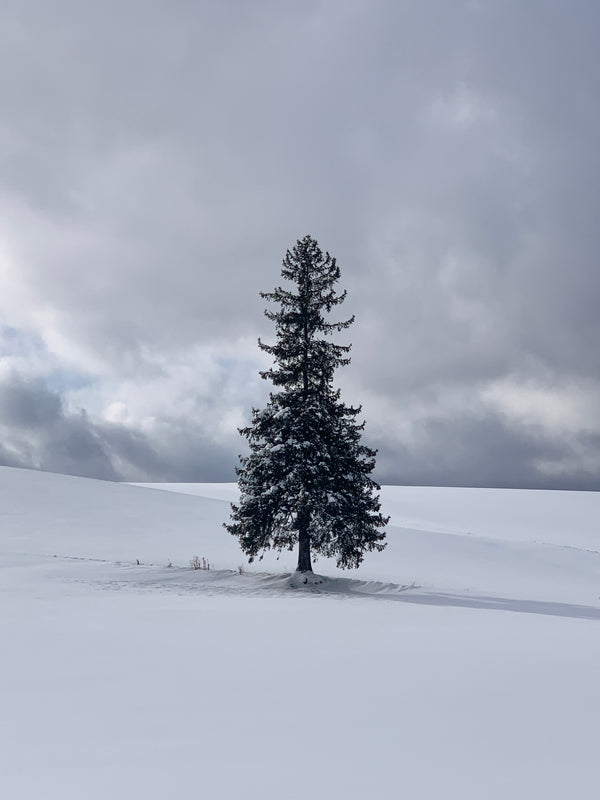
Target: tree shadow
[415,595]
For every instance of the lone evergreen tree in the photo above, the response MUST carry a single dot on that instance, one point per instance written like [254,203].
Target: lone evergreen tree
[306,479]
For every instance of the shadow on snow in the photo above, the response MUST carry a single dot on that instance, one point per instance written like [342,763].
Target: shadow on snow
[184,581]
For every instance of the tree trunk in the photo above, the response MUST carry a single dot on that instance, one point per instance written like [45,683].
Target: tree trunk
[304,564]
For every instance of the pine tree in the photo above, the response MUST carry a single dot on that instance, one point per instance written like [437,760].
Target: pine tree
[306,479]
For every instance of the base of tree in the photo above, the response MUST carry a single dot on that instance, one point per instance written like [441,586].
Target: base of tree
[300,579]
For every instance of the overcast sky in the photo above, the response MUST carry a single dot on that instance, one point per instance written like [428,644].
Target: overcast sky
[158,158]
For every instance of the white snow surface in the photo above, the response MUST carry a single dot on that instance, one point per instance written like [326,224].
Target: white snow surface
[462,662]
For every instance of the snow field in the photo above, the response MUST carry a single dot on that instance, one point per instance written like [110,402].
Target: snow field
[128,681]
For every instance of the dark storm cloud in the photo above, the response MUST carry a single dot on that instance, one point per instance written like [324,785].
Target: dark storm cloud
[156,160]
[466,451]
[27,404]
[36,429]
[38,432]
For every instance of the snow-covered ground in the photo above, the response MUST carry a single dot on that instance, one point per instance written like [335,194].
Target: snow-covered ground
[462,662]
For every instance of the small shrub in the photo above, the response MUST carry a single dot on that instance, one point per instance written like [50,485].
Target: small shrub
[199,563]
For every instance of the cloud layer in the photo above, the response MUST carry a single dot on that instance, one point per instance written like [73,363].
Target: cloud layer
[158,159]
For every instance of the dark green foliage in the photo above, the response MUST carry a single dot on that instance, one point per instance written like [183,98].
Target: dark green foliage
[306,479]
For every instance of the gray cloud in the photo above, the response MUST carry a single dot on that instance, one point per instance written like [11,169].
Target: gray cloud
[38,432]
[486,452]
[157,160]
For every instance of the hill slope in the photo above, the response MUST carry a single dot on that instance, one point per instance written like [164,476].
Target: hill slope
[460,663]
